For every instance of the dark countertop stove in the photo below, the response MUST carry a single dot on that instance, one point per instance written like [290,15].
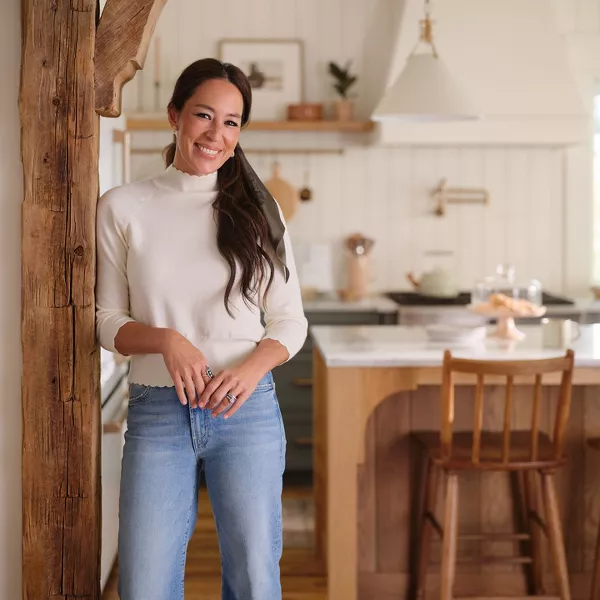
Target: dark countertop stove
[463,298]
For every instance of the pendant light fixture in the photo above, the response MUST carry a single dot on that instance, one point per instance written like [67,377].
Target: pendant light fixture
[425,89]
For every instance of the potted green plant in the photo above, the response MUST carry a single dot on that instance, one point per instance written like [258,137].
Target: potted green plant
[343,81]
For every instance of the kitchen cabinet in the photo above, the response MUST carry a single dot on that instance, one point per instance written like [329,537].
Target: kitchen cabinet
[293,380]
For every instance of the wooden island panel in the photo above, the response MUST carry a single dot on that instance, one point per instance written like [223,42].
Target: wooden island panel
[388,471]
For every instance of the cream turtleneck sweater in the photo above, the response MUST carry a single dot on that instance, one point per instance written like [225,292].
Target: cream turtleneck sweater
[158,264]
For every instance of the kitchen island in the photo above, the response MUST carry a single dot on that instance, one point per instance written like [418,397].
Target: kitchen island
[373,386]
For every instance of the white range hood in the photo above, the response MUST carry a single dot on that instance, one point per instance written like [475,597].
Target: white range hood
[512,61]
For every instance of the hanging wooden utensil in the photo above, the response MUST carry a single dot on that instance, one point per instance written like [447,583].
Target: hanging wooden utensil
[306,193]
[285,193]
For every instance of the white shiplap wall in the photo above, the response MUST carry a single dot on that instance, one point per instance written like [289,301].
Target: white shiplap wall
[383,193]
[331,30]
[578,16]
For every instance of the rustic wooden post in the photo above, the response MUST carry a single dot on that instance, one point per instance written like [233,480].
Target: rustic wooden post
[60,377]
[61,415]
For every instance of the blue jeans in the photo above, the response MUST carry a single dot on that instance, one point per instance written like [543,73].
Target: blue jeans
[243,458]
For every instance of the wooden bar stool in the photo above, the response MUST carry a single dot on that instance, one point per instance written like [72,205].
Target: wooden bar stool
[530,452]
[595,594]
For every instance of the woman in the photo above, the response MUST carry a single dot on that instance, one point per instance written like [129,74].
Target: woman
[187,261]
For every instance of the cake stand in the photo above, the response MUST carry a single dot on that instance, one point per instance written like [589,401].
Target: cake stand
[505,327]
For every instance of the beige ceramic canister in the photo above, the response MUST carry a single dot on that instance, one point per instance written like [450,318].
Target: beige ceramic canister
[358,263]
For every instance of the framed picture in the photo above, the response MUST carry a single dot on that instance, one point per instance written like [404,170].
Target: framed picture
[275,69]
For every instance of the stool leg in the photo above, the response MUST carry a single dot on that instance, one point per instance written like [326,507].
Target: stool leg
[531,489]
[557,545]
[428,507]
[450,538]
[595,595]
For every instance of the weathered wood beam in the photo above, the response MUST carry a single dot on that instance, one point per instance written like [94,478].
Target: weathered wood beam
[60,376]
[122,41]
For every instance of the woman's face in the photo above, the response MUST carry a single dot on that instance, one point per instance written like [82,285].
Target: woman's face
[208,127]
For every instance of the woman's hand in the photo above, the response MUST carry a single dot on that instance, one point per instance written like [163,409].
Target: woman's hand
[228,390]
[187,367]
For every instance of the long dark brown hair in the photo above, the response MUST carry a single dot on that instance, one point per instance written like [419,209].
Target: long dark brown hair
[242,229]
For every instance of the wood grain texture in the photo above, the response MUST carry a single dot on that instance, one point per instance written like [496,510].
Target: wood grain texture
[485,499]
[591,481]
[60,373]
[367,505]
[570,484]
[495,509]
[594,444]
[531,495]
[392,498]
[124,34]
[501,496]
[320,466]
[555,534]
[450,539]
[427,508]
[343,421]
[145,123]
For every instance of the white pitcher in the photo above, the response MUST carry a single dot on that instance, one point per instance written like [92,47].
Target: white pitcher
[559,333]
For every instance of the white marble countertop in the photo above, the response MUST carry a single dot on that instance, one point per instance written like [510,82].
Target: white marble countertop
[399,346]
[333,303]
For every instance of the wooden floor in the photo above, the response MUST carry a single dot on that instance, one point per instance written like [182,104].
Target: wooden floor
[300,574]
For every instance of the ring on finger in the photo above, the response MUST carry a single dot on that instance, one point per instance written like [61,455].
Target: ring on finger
[209,372]
[231,398]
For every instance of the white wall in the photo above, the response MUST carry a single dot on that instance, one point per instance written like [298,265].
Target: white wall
[11,181]
[579,16]
[384,192]
[110,159]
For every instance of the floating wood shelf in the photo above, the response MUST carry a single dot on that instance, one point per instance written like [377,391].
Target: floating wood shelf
[341,126]
[159,123]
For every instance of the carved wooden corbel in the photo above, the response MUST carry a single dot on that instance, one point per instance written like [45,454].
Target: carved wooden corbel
[122,40]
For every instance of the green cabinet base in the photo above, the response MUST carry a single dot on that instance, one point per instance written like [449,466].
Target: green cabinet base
[293,383]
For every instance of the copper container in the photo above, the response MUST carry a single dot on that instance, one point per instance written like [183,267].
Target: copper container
[306,111]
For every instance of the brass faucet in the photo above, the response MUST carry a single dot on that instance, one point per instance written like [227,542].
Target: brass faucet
[444,195]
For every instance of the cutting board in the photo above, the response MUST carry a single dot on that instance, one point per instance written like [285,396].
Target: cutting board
[284,192]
